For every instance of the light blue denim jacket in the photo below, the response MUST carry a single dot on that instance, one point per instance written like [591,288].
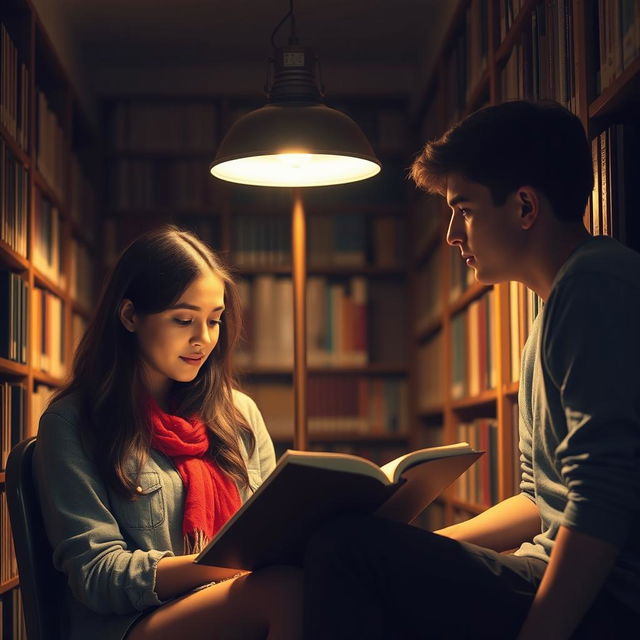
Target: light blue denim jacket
[109,546]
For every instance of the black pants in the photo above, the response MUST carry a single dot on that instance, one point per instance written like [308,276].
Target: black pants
[370,578]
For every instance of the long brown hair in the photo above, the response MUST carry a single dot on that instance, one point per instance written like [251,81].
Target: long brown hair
[153,272]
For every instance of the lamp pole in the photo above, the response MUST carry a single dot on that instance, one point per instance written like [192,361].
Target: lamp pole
[299,268]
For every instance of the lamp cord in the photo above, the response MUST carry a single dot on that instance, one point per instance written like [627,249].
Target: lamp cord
[292,36]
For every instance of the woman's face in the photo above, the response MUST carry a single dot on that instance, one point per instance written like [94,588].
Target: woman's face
[175,343]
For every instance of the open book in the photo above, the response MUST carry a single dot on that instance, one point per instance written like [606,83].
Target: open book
[308,489]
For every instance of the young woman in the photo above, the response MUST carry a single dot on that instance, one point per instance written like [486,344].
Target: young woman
[147,452]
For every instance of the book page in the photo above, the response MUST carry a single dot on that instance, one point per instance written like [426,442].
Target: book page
[337,461]
[393,470]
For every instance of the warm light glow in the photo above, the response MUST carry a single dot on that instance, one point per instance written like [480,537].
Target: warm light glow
[295,160]
[295,170]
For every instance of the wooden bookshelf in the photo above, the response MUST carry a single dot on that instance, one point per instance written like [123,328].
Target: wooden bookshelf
[34,66]
[573,77]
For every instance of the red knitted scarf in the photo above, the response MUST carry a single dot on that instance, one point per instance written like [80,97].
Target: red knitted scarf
[211,496]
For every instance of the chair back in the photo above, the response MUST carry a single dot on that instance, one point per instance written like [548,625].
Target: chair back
[41,585]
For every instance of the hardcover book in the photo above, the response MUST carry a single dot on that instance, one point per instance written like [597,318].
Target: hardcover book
[308,489]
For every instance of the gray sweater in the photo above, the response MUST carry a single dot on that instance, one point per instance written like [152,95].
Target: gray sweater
[109,546]
[580,409]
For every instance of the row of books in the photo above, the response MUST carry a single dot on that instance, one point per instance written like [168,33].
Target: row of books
[428,290]
[614,152]
[427,215]
[170,127]
[473,357]
[47,240]
[267,309]
[354,240]
[476,41]
[373,406]
[343,240]
[13,405]
[474,366]
[524,306]
[429,374]
[51,145]
[336,322]
[83,204]
[481,365]
[479,485]
[467,60]
[260,240]
[508,11]
[616,32]
[14,200]
[14,90]
[388,333]
[13,413]
[541,65]
[48,335]
[343,405]
[145,184]
[8,565]
[12,622]
[13,316]
[81,274]
[12,418]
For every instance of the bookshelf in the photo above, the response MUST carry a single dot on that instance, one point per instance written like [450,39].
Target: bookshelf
[47,233]
[586,55]
[357,317]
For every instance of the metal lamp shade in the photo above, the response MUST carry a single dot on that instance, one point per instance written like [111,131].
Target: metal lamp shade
[295,145]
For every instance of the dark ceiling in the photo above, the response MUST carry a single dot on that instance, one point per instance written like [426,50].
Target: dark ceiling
[152,32]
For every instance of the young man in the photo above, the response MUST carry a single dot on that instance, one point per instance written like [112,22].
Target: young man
[517,177]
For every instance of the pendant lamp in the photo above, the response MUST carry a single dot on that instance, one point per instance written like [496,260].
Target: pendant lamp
[295,140]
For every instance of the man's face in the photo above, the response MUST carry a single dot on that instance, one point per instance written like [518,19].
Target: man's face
[489,237]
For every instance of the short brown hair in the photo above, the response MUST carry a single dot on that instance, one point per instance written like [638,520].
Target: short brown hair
[506,146]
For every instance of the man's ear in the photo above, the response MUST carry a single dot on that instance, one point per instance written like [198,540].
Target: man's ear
[127,315]
[529,204]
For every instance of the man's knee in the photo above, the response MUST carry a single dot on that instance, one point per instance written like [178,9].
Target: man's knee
[342,536]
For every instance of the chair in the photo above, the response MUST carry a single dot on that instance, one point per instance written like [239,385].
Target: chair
[42,586]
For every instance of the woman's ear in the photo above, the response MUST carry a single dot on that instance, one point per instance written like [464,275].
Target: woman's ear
[127,314]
